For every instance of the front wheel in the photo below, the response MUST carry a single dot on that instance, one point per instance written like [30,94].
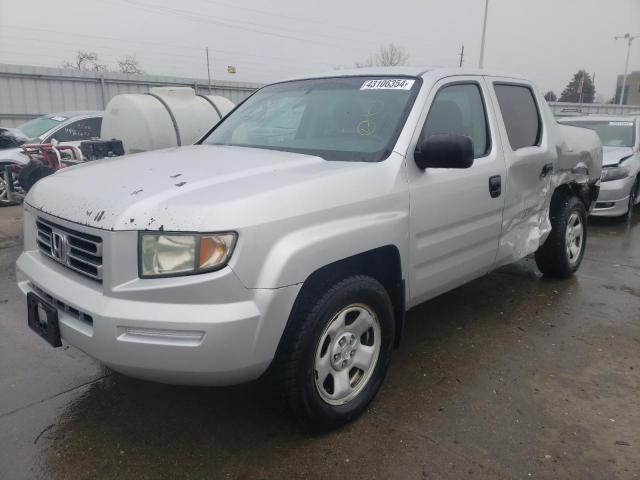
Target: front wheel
[561,254]
[335,352]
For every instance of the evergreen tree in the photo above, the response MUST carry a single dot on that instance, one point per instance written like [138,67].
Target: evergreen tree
[580,86]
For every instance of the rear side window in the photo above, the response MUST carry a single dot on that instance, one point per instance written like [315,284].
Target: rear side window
[520,115]
[459,109]
[81,130]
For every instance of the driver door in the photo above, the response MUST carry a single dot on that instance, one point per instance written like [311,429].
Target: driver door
[456,215]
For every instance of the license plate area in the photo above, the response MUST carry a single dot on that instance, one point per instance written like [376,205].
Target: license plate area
[43,319]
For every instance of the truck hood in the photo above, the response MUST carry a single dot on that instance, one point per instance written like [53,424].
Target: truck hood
[195,188]
[613,155]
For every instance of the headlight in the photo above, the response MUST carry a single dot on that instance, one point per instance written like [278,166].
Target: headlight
[614,173]
[172,254]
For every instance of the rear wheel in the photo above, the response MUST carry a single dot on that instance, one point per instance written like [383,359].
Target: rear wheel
[561,254]
[335,352]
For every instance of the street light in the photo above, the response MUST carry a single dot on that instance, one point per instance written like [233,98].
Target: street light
[484,33]
[630,38]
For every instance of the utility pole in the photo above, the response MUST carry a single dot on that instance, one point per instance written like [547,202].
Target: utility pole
[484,33]
[461,55]
[630,38]
[208,71]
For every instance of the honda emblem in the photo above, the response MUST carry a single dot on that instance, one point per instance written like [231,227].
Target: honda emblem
[59,246]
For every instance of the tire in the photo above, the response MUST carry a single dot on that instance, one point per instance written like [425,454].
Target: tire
[561,254]
[632,201]
[315,371]
[4,201]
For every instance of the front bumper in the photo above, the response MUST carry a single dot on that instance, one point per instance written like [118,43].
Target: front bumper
[613,199]
[198,330]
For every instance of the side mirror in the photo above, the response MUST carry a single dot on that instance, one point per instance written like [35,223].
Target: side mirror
[447,150]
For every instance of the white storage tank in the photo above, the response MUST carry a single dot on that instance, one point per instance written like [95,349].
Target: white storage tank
[164,117]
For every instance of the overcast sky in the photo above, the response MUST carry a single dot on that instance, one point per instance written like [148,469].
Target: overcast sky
[545,40]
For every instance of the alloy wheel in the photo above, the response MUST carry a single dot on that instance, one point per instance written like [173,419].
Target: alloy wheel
[347,354]
[574,237]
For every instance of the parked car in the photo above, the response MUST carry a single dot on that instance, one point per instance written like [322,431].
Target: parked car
[290,241]
[620,187]
[67,128]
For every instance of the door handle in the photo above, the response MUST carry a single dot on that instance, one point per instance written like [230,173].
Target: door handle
[495,186]
[546,170]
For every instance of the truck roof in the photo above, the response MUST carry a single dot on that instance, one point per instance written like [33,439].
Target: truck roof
[419,71]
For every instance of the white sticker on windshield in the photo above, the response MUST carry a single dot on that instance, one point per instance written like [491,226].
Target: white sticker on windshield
[622,124]
[59,119]
[388,84]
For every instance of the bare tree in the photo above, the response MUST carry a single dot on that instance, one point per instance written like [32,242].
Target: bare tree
[388,56]
[130,65]
[86,61]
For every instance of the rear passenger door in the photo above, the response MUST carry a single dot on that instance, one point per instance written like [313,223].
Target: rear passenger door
[455,217]
[530,159]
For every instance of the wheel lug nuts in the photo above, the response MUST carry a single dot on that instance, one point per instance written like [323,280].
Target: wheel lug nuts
[336,357]
[353,352]
[342,342]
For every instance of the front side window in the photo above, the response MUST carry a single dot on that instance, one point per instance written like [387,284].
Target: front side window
[84,129]
[459,109]
[520,115]
[611,133]
[340,118]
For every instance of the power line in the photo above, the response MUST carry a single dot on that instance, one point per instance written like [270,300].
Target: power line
[124,50]
[300,19]
[153,43]
[173,65]
[234,24]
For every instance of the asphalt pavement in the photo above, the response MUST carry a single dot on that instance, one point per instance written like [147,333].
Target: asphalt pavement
[510,376]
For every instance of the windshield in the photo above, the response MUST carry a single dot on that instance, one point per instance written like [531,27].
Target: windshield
[39,126]
[611,133]
[341,118]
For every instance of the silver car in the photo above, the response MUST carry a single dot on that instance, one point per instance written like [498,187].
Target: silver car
[67,128]
[291,240]
[620,185]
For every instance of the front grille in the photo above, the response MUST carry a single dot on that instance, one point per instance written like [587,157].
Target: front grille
[76,250]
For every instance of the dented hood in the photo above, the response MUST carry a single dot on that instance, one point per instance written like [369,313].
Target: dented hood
[613,155]
[195,188]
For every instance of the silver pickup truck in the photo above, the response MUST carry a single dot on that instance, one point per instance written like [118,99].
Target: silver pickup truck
[291,240]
